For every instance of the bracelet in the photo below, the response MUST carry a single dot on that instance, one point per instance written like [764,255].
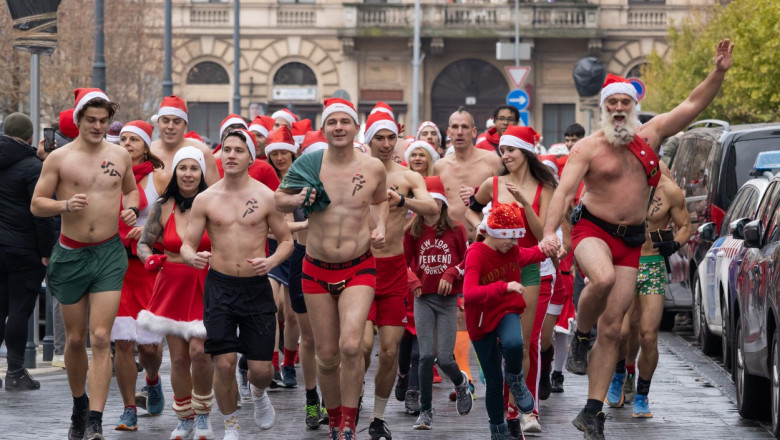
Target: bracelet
[134,209]
[67,205]
[402,202]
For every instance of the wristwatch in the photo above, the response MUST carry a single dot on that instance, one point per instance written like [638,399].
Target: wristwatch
[134,209]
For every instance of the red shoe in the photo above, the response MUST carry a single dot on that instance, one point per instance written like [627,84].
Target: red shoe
[436,377]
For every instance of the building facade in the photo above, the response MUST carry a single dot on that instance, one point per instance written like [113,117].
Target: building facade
[295,53]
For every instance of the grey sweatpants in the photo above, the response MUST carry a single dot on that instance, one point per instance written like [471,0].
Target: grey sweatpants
[435,317]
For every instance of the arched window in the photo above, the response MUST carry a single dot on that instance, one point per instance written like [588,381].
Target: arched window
[636,71]
[295,74]
[471,83]
[208,72]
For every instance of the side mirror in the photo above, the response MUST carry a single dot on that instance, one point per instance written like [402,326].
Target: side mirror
[707,232]
[737,227]
[752,233]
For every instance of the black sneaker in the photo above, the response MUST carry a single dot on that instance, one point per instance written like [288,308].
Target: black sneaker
[556,382]
[78,423]
[277,381]
[378,430]
[591,425]
[94,431]
[20,380]
[513,428]
[577,359]
[401,385]
[544,385]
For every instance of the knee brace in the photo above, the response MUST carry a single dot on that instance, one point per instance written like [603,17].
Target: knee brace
[183,407]
[202,404]
[328,365]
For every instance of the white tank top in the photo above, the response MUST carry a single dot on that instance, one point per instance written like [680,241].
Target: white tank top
[151,197]
[547,267]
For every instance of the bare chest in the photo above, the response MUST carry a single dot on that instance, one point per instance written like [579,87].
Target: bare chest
[471,175]
[616,166]
[239,213]
[81,173]
[351,186]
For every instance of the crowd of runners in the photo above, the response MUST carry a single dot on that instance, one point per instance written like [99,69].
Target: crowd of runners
[285,246]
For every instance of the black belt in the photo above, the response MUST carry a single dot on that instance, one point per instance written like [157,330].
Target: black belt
[618,230]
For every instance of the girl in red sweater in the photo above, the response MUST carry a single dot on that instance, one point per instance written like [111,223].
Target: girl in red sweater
[494,301]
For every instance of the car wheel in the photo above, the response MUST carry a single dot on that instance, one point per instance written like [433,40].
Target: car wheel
[775,372]
[751,390]
[709,344]
[725,346]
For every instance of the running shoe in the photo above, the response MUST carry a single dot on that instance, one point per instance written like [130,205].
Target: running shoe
[289,380]
[513,428]
[454,394]
[629,388]
[325,419]
[243,385]
[591,425]
[78,423]
[277,381]
[265,415]
[401,385]
[202,429]
[94,431]
[20,380]
[378,430]
[347,434]
[313,416]
[231,434]
[577,358]
[436,376]
[642,407]
[412,402]
[556,382]
[128,421]
[503,432]
[424,420]
[615,393]
[155,400]
[529,422]
[183,430]
[464,398]
[141,397]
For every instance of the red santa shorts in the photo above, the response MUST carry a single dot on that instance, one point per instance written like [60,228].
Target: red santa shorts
[323,277]
[622,254]
[389,306]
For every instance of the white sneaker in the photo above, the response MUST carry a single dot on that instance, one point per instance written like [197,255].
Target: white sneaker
[265,415]
[183,430]
[231,434]
[203,429]
[529,422]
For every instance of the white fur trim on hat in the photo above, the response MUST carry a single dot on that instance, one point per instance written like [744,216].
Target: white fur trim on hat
[317,146]
[339,107]
[136,130]
[85,99]
[384,110]
[428,124]
[425,146]
[516,142]
[270,148]
[113,139]
[230,122]
[170,111]
[190,153]
[618,88]
[503,233]
[441,197]
[166,326]
[259,128]
[382,124]
[283,115]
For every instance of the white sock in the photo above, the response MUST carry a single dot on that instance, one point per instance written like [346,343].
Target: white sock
[379,408]
[231,421]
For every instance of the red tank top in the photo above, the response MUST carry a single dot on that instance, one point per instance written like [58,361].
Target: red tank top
[171,240]
[529,239]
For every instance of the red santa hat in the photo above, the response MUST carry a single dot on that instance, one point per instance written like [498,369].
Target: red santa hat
[333,105]
[428,124]
[83,96]
[425,146]
[229,120]
[67,124]
[382,107]
[193,135]
[248,138]
[313,141]
[436,188]
[190,152]
[171,106]
[141,128]
[379,121]
[299,130]
[504,220]
[262,124]
[280,139]
[285,114]
[519,137]
[615,85]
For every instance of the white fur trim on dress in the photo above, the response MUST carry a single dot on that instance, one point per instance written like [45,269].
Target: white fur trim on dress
[124,329]
[166,326]
[617,88]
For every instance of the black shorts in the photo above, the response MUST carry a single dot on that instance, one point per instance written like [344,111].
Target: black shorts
[244,304]
[280,273]
[296,269]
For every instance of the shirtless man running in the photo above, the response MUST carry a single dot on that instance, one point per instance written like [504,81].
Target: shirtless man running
[619,165]
[171,120]
[90,176]
[405,191]
[344,193]
[237,212]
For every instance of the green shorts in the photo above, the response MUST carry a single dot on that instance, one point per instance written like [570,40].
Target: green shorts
[651,279]
[530,275]
[72,273]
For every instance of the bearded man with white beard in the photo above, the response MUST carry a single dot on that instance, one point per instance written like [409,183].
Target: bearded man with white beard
[619,166]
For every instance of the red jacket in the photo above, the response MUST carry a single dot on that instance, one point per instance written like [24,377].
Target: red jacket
[485,285]
[490,143]
[430,256]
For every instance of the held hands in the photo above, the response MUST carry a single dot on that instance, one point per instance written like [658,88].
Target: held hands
[155,262]
[76,203]
[200,260]
[261,266]
[551,246]
[723,55]
[514,286]
[465,194]
[135,233]
[666,248]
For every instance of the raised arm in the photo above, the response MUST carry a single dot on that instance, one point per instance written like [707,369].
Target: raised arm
[422,203]
[194,234]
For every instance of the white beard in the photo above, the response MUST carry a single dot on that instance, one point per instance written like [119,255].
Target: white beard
[620,133]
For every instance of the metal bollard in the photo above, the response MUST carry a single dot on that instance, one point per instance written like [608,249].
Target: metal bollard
[48,338]
[30,348]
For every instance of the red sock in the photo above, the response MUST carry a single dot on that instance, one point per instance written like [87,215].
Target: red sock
[630,369]
[334,415]
[347,418]
[132,406]
[289,357]
[151,382]
[275,360]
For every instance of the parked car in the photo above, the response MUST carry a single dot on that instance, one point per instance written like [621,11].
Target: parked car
[712,162]
[756,337]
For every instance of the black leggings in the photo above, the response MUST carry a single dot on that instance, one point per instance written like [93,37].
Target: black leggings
[21,273]
[409,358]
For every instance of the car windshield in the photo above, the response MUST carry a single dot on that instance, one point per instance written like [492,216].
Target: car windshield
[741,158]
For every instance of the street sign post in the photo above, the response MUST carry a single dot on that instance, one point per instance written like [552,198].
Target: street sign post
[524,118]
[518,98]
[518,74]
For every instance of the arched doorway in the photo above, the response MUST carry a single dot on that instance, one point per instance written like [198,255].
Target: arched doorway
[205,116]
[474,84]
[295,88]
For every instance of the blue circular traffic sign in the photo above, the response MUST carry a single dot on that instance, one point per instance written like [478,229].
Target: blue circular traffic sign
[518,98]
[640,87]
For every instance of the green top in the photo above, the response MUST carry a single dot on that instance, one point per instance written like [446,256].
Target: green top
[305,172]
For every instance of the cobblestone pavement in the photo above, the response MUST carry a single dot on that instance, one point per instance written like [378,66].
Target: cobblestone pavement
[691,397]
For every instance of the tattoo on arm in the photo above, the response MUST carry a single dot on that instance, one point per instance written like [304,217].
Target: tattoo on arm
[110,168]
[359,181]
[251,205]
[151,233]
